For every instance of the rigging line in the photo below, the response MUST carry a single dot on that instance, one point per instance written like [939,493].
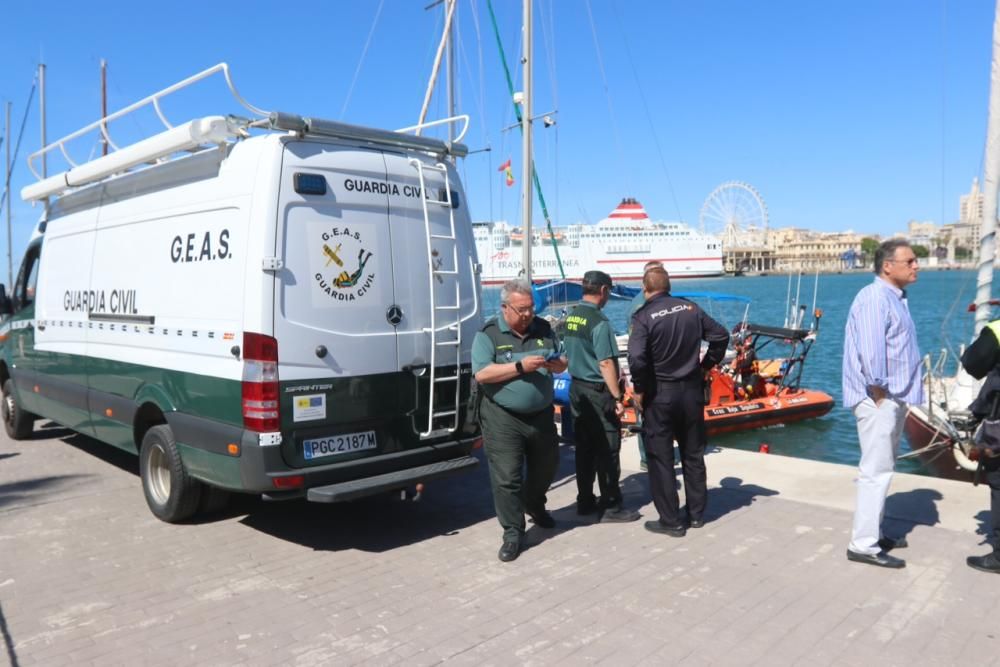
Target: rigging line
[549,38]
[361,60]
[482,104]
[534,170]
[548,41]
[607,96]
[482,74]
[944,98]
[17,146]
[945,334]
[465,61]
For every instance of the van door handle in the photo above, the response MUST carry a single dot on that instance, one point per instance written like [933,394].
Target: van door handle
[40,326]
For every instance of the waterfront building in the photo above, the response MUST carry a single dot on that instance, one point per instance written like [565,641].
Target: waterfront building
[797,249]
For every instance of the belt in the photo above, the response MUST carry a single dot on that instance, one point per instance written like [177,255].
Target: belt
[693,379]
[520,415]
[596,386]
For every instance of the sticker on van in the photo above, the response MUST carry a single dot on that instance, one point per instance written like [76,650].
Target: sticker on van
[344,270]
[305,408]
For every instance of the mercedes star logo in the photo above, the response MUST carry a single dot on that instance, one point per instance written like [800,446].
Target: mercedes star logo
[394,315]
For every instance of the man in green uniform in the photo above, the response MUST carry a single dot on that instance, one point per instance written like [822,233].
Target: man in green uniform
[513,358]
[638,301]
[595,396]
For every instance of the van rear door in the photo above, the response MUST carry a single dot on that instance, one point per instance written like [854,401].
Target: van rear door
[433,254]
[336,346]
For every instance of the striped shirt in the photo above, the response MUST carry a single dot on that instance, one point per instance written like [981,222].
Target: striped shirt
[880,346]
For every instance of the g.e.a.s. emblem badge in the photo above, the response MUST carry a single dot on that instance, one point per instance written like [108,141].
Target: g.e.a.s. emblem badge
[346,275]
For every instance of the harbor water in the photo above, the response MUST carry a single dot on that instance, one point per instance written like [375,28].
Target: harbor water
[938,302]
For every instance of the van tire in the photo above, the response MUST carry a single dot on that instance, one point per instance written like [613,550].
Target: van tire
[18,422]
[172,494]
[213,499]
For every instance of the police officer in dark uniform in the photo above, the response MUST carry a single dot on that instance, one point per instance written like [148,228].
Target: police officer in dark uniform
[668,377]
[596,401]
[982,359]
[512,359]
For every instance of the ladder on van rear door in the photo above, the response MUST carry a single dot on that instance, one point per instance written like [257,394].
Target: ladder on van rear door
[446,323]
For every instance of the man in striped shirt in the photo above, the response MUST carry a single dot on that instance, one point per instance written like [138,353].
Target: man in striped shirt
[881,375]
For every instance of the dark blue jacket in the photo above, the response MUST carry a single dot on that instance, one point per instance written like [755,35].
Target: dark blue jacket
[665,343]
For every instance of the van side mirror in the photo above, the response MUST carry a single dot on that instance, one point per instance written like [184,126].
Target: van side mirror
[6,307]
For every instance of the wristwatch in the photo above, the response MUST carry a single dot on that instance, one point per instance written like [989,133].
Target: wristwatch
[520,367]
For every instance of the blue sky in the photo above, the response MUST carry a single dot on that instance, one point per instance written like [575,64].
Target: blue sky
[858,114]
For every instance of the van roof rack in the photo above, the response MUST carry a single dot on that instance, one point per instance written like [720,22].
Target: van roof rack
[400,138]
[206,132]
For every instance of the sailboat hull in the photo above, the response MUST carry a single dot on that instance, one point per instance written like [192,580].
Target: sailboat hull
[943,458]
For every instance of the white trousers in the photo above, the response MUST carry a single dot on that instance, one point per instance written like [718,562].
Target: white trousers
[879,430]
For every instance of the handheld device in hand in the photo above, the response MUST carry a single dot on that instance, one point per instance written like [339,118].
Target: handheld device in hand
[552,356]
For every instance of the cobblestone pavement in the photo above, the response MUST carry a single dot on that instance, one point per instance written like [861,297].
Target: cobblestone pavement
[88,575]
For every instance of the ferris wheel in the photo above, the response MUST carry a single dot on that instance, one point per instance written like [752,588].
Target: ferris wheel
[735,213]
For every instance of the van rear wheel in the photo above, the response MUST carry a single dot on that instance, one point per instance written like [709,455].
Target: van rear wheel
[172,494]
[17,422]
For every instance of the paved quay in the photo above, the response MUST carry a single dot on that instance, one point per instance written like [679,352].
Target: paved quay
[88,575]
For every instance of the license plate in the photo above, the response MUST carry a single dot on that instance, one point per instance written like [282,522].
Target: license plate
[334,445]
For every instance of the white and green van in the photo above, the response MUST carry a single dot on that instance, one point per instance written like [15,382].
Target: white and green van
[283,307]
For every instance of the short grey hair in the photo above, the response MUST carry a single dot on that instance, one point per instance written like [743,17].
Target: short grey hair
[517,285]
[887,251]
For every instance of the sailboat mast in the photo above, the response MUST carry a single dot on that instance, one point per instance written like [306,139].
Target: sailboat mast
[450,10]
[991,181]
[104,104]
[526,181]
[41,107]
[451,71]
[10,256]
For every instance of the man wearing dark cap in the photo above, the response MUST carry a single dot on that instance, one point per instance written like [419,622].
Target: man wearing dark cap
[596,401]
[668,376]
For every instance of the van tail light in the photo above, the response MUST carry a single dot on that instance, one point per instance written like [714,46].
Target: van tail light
[261,411]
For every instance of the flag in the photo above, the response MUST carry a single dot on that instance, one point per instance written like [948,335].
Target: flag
[505,168]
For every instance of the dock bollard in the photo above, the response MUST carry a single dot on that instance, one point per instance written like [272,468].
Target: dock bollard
[764,448]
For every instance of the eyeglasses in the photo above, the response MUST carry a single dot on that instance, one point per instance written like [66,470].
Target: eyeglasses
[909,262]
[523,312]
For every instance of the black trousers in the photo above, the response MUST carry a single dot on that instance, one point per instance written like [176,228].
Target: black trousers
[523,454]
[992,469]
[597,432]
[676,411]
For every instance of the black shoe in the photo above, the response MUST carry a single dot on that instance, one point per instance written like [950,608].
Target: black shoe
[542,519]
[664,529]
[881,559]
[987,563]
[890,543]
[587,508]
[509,551]
[696,523]
[619,515]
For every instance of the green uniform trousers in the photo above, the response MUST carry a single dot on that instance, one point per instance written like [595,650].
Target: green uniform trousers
[597,432]
[523,454]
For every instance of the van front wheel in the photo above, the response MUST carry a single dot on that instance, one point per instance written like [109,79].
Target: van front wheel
[172,494]
[16,421]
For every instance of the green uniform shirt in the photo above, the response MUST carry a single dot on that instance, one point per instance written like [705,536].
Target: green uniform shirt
[524,394]
[589,340]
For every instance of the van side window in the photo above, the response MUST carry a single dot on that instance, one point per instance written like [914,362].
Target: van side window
[27,278]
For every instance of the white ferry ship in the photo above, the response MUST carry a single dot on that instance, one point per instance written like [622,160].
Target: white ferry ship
[619,245]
